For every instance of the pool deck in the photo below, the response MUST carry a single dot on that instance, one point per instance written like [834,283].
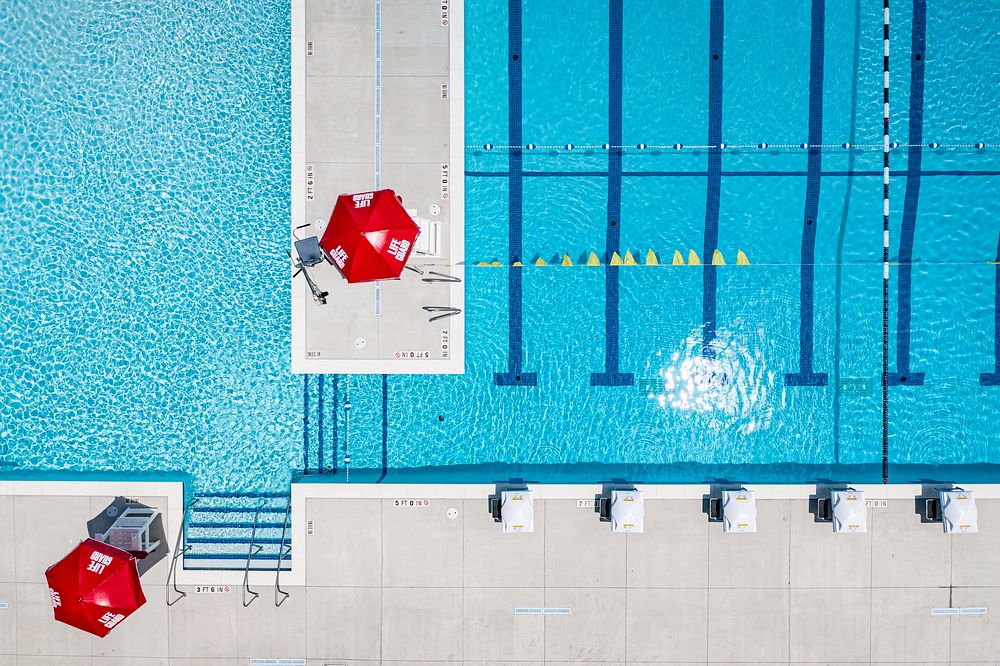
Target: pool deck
[385,582]
[377,102]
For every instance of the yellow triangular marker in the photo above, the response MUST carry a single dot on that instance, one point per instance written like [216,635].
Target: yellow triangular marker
[517,263]
[717,259]
[741,258]
[481,263]
[616,259]
[541,262]
[629,259]
[678,259]
[693,259]
[651,259]
[496,263]
[592,260]
[566,261]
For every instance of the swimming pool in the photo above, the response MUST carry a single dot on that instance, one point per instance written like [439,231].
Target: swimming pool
[144,198]
[159,343]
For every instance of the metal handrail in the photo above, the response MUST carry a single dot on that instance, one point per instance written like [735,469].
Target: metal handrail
[441,277]
[448,311]
[179,550]
[250,553]
[283,550]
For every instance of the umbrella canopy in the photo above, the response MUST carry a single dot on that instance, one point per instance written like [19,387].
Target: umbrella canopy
[95,587]
[370,236]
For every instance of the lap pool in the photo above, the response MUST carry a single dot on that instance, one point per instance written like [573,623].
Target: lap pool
[144,298]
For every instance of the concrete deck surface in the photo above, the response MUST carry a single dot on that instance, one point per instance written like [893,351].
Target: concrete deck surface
[409,585]
[336,123]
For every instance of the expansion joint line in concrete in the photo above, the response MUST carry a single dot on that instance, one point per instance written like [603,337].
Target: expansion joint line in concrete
[378,95]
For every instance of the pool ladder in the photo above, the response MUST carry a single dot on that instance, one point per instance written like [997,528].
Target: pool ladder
[180,547]
[284,550]
[445,310]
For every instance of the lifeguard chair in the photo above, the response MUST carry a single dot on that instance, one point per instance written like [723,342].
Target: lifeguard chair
[130,531]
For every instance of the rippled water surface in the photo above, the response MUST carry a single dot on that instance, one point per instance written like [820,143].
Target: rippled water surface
[144,203]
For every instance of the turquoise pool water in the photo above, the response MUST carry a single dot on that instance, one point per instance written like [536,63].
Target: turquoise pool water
[149,331]
[144,200]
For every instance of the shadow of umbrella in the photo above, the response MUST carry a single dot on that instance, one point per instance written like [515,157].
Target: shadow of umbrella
[98,526]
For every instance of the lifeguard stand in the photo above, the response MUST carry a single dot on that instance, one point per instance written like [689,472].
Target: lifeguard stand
[130,531]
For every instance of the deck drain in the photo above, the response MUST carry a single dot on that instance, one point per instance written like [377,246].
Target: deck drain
[360,343]
[543,611]
[435,209]
[452,513]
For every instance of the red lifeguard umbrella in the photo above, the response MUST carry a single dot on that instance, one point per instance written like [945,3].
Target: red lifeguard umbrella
[95,587]
[370,236]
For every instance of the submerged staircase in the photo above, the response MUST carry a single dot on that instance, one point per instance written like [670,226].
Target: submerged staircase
[322,423]
[223,530]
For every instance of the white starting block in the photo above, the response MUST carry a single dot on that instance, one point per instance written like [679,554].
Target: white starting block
[628,511]
[739,511]
[850,514]
[958,511]
[517,511]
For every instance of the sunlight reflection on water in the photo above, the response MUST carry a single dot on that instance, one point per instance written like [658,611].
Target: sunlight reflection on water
[734,386]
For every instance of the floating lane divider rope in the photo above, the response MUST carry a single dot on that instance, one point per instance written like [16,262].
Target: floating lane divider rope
[628,259]
[761,145]
[885,241]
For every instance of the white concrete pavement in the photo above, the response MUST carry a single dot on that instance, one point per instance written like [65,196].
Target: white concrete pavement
[386,582]
[377,102]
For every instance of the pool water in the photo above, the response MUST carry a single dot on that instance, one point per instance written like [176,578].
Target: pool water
[145,203]
[151,331]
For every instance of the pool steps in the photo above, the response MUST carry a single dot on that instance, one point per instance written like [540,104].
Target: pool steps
[219,528]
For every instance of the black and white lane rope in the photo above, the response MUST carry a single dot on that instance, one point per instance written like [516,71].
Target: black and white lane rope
[762,145]
[885,242]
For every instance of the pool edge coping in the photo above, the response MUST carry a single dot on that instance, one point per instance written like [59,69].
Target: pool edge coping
[173,491]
